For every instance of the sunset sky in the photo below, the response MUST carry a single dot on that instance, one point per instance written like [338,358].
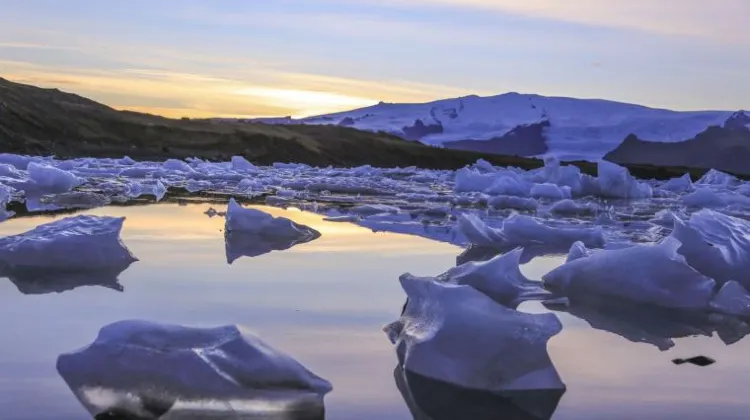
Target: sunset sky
[305,57]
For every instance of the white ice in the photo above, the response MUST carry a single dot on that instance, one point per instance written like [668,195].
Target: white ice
[732,299]
[256,222]
[76,243]
[519,231]
[240,164]
[572,208]
[171,365]
[651,274]
[550,191]
[499,278]
[457,335]
[48,179]
[678,185]
[717,245]
[616,182]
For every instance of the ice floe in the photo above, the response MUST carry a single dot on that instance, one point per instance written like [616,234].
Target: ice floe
[147,370]
[80,243]
[514,203]
[499,278]
[650,274]
[510,347]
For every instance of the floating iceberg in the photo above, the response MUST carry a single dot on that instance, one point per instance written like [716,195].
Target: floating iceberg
[48,179]
[704,197]
[429,399]
[80,243]
[650,274]
[240,164]
[177,165]
[499,278]
[146,370]
[716,245]
[519,231]
[616,182]
[732,299]
[678,185]
[509,350]
[256,222]
[714,177]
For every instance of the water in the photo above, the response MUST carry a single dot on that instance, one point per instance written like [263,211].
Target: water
[325,303]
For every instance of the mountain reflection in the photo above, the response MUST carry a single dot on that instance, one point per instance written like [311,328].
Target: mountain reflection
[429,399]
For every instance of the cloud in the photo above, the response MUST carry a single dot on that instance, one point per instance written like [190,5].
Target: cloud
[722,20]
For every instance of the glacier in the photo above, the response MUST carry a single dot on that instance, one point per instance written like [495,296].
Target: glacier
[146,370]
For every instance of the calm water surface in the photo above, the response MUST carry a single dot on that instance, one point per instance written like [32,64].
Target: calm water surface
[324,303]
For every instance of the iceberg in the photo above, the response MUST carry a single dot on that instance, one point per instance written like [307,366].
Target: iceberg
[732,299]
[429,399]
[704,197]
[578,251]
[159,190]
[139,369]
[49,179]
[616,182]
[240,164]
[457,335]
[652,274]
[519,231]
[256,222]
[516,203]
[80,243]
[509,183]
[714,177]
[678,185]
[499,278]
[177,165]
[716,245]
[550,191]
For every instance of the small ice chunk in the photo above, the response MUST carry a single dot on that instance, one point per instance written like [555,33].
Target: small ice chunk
[159,190]
[615,181]
[509,184]
[652,274]
[373,209]
[519,231]
[18,161]
[74,243]
[195,186]
[509,350]
[664,218]
[126,161]
[571,208]
[732,299]
[678,185]
[240,164]
[49,179]
[550,191]
[134,189]
[263,224]
[578,251]
[499,278]
[146,370]
[515,203]
[716,245]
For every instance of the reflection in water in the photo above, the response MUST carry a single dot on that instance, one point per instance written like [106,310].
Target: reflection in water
[245,244]
[482,253]
[642,323]
[429,399]
[37,281]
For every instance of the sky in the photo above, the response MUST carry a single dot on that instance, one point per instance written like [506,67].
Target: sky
[252,58]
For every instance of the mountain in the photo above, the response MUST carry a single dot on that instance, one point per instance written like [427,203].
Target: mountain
[573,128]
[725,147]
[50,122]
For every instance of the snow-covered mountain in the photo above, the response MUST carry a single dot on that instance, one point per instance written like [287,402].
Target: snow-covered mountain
[573,128]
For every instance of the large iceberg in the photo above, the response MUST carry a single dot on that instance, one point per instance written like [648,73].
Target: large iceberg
[80,243]
[256,222]
[499,278]
[650,274]
[616,182]
[520,231]
[716,245]
[457,335]
[146,370]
